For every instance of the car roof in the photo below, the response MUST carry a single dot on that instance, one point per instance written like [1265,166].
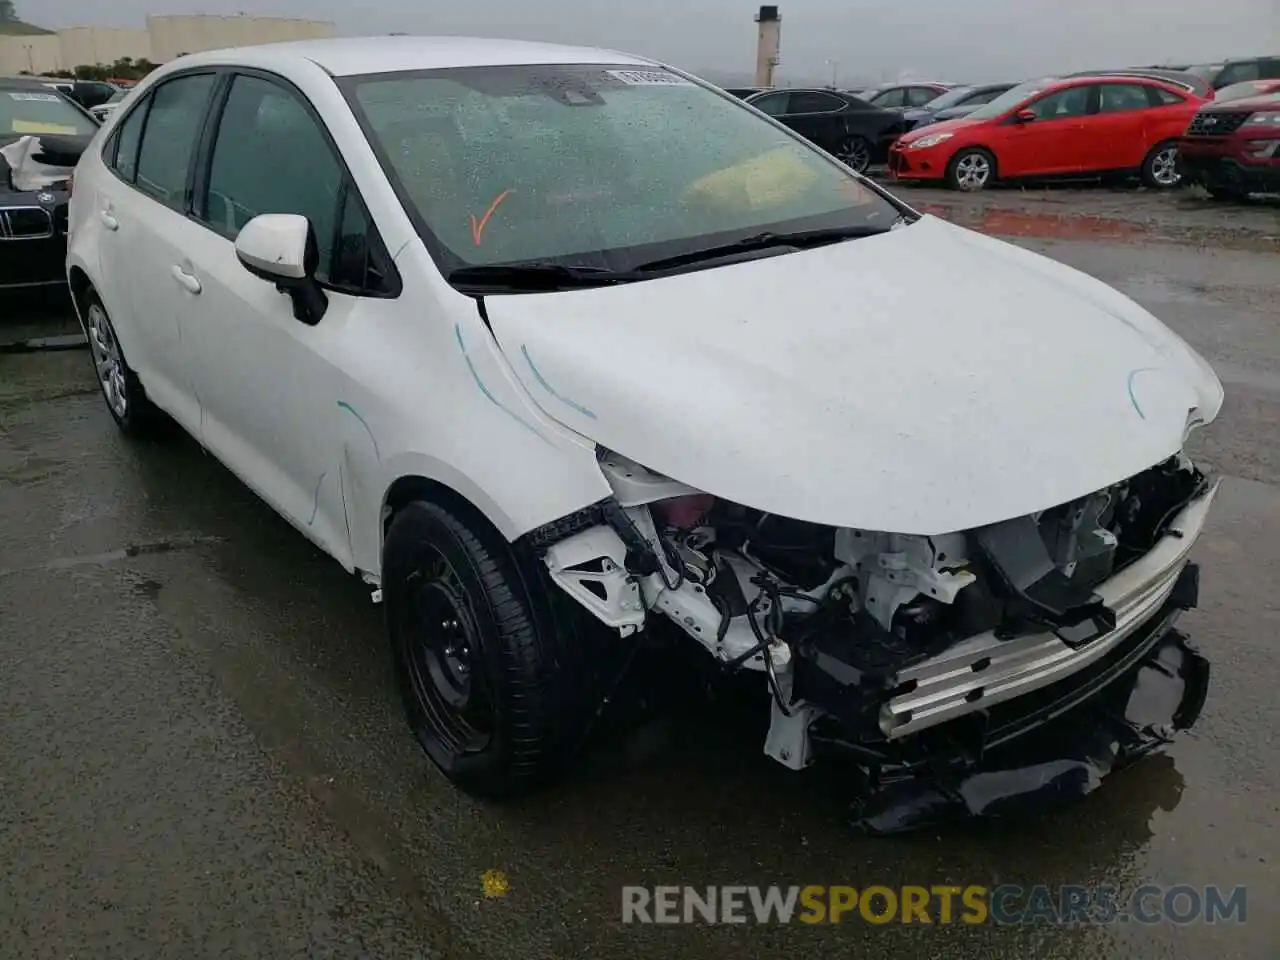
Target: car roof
[344,56]
[1139,77]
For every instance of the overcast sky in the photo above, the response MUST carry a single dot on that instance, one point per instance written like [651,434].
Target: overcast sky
[944,39]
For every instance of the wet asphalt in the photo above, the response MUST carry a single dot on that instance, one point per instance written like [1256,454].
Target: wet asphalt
[201,752]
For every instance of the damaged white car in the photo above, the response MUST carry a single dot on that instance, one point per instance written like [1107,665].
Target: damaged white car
[562,350]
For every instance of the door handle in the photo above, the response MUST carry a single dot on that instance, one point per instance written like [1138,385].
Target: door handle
[186,280]
[109,220]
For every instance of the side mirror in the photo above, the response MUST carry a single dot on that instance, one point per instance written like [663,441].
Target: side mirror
[1024,116]
[281,249]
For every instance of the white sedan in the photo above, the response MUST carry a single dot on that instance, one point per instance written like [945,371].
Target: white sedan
[561,349]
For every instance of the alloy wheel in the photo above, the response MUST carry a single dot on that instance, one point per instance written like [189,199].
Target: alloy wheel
[973,171]
[855,153]
[1164,167]
[107,360]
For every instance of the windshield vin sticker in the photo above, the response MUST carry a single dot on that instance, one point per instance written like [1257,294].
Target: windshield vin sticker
[649,78]
[27,97]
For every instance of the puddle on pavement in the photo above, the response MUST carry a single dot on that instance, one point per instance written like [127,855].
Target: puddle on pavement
[1026,223]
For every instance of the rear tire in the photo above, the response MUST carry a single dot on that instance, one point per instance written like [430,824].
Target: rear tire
[126,399]
[1160,167]
[971,170]
[491,683]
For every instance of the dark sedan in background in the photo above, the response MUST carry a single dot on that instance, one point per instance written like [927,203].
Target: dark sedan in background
[956,102]
[42,135]
[845,126]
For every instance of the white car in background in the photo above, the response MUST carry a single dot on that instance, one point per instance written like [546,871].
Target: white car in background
[562,349]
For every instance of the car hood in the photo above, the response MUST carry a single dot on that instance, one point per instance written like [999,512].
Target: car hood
[1263,101]
[941,126]
[956,113]
[833,386]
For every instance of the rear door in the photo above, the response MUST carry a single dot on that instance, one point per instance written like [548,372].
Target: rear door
[1115,138]
[1052,143]
[142,210]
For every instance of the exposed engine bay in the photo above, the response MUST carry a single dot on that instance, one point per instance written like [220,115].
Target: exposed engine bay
[893,649]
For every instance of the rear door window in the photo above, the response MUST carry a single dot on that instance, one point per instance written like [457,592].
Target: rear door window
[814,101]
[774,104]
[891,98]
[169,138]
[121,154]
[919,96]
[1160,97]
[1122,97]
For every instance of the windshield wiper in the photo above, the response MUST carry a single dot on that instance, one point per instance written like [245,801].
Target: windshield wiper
[763,241]
[534,275]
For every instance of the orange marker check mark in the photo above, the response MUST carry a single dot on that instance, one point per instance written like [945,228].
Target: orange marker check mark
[477,226]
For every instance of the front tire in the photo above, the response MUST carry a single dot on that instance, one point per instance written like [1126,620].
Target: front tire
[1160,167]
[971,170]
[127,401]
[489,680]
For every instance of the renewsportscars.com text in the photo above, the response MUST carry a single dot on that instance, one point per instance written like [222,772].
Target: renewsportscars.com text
[938,904]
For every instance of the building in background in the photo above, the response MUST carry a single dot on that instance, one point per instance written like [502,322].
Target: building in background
[768,45]
[165,37]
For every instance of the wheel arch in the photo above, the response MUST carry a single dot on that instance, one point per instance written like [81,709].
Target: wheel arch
[989,151]
[410,487]
[80,284]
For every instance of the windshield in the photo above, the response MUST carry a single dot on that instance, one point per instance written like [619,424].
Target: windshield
[950,99]
[611,166]
[41,111]
[1009,99]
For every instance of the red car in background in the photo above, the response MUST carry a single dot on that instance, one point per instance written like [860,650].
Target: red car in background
[1232,149]
[1079,126]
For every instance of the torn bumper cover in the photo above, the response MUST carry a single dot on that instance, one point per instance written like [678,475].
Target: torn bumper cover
[995,726]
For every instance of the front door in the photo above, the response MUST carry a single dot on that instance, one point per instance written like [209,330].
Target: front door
[265,379]
[1050,144]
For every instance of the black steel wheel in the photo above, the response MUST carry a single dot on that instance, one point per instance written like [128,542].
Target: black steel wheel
[490,681]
